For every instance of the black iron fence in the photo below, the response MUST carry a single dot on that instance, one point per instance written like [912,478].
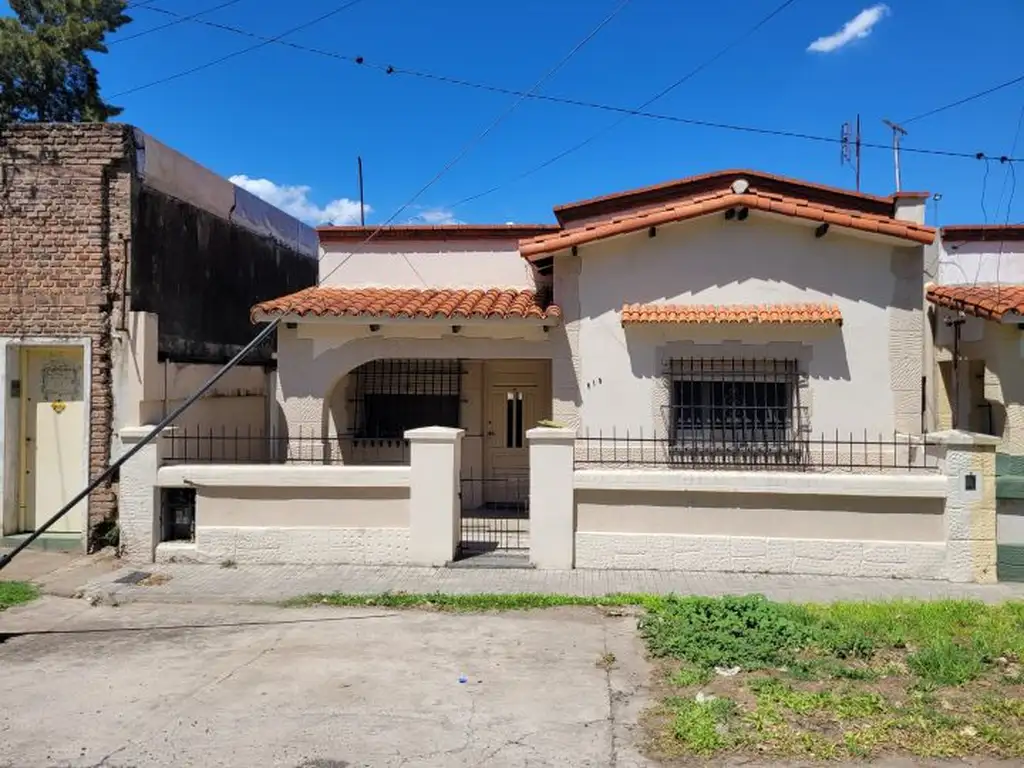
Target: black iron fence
[709,451]
[246,445]
[495,514]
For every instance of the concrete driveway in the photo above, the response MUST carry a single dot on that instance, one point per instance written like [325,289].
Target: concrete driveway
[177,685]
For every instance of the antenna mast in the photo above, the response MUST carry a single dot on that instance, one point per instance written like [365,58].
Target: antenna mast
[362,204]
[844,150]
[898,131]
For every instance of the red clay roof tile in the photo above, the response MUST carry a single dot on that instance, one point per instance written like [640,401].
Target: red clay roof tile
[689,208]
[409,302]
[770,314]
[992,302]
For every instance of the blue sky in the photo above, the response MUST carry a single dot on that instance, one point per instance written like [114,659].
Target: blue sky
[293,119]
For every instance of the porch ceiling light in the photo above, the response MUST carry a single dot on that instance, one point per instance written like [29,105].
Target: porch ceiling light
[730,214]
[742,214]
[821,231]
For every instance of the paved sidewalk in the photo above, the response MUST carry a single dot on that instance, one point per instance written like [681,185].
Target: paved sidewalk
[60,573]
[192,583]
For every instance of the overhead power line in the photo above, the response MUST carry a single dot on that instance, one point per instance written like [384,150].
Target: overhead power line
[623,118]
[235,54]
[179,20]
[393,70]
[269,329]
[958,102]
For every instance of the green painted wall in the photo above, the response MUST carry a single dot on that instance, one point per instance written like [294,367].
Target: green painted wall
[1010,562]
[1009,476]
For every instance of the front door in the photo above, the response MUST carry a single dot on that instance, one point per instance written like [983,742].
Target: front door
[511,410]
[54,436]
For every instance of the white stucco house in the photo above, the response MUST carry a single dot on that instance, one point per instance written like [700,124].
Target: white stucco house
[730,372]
[976,294]
[725,320]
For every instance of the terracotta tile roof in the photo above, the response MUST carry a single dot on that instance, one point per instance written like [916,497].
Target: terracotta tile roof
[992,302]
[969,233]
[409,302]
[721,200]
[755,314]
[350,234]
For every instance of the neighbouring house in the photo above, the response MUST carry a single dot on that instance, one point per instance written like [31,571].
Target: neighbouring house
[977,298]
[127,275]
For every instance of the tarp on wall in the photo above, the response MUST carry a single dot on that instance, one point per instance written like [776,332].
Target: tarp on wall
[169,171]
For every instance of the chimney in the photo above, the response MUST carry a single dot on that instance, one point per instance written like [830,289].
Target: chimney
[910,206]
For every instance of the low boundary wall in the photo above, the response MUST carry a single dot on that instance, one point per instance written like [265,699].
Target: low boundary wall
[298,514]
[295,514]
[851,525]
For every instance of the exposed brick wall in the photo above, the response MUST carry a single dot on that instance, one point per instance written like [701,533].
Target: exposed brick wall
[65,204]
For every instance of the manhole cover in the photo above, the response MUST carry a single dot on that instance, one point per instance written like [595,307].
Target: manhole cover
[132,577]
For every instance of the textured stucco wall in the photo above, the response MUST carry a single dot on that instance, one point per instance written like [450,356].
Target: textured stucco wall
[291,545]
[865,375]
[921,560]
[428,264]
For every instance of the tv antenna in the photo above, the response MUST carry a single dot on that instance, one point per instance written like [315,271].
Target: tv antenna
[846,157]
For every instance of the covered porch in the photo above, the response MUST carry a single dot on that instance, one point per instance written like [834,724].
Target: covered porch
[358,368]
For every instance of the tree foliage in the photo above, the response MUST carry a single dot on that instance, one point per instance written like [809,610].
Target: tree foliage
[45,71]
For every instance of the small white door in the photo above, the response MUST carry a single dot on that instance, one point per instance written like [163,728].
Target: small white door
[54,436]
[511,410]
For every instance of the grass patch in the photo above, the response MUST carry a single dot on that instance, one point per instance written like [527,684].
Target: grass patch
[467,603]
[688,677]
[847,680]
[702,726]
[16,592]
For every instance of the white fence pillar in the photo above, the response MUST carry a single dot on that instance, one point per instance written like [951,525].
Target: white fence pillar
[552,503]
[138,502]
[434,507]
[969,463]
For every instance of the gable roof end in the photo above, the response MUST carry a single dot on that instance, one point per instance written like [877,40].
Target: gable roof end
[732,195]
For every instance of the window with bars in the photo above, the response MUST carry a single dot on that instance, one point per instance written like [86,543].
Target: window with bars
[728,407]
[389,397]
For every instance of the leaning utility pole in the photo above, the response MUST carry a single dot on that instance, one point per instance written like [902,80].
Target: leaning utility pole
[897,131]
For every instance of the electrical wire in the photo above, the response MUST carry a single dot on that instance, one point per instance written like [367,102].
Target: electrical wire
[1009,169]
[235,54]
[965,100]
[389,69]
[984,190]
[623,118]
[500,119]
[180,20]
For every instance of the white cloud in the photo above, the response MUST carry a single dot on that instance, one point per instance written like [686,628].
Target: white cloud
[295,200]
[435,216]
[858,27]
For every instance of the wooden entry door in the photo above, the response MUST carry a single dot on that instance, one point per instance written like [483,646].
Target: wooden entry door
[516,398]
[511,410]
[54,436]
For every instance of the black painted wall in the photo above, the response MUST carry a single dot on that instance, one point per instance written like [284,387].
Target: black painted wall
[202,274]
